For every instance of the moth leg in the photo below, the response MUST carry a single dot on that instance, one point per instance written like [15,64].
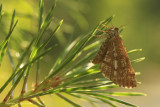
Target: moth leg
[107,26]
[102,30]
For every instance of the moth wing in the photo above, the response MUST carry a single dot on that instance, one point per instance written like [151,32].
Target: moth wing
[116,64]
[101,53]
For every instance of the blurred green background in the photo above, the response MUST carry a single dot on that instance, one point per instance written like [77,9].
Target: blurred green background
[142,30]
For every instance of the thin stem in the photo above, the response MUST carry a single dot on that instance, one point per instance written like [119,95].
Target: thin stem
[66,99]
[24,88]
[39,99]
[13,67]
[35,103]
[14,86]
[37,72]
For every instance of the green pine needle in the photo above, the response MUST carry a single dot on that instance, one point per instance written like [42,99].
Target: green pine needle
[72,73]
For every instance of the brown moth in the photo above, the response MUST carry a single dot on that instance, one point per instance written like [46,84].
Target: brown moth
[114,60]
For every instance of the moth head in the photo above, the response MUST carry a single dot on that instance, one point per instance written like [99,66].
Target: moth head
[113,31]
[116,29]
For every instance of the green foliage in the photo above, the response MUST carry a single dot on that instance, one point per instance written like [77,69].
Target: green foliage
[72,73]
[4,44]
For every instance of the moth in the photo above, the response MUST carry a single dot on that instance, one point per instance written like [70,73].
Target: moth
[114,60]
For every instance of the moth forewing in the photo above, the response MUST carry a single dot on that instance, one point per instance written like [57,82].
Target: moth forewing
[115,63]
[101,53]
[103,49]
